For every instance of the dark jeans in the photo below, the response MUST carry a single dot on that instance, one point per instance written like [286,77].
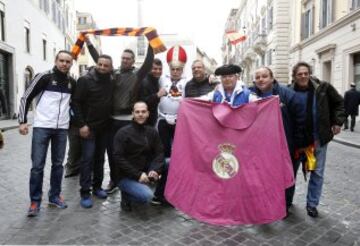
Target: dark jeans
[92,161]
[289,192]
[166,132]
[160,188]
[40,143]
[115,126]
[72,165]
[352,123]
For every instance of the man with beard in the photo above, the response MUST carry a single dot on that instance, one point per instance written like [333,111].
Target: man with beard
[92,107]
[150,91]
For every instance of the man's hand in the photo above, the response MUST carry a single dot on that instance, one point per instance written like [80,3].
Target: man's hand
[162,92]
[154,175]
[144,178]
[84,131]
[336,129]
[24,129]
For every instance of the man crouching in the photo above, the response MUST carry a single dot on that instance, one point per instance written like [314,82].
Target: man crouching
[138,157]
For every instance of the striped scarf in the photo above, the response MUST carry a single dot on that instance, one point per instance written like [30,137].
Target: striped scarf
[149,32]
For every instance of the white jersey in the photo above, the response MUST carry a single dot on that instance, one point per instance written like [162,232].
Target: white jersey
[170,103]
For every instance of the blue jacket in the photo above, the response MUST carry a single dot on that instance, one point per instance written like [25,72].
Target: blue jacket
[290,110]
[240,95]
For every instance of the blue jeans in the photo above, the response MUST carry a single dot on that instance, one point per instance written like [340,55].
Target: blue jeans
[92,161]
[40,143]
[317,177]
[134,191]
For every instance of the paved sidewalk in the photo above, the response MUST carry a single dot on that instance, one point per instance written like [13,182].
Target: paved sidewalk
[346,137]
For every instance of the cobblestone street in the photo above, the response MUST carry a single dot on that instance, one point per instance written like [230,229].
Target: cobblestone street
[105,223]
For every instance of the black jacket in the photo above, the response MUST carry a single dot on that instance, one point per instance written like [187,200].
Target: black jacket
[195,88]
[92,100]
[329,112]
[148,93]
[127,82]
[352,102]
[137,149]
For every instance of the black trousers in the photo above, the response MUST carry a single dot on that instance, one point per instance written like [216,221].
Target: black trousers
[352,123]
[72,165]
[166,132]
[116,125]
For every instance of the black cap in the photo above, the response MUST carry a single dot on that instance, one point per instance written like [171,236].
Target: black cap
[227,70]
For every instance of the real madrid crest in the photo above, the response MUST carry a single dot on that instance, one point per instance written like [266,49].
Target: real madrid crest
[225,165]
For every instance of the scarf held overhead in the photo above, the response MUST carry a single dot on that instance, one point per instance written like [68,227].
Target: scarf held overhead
[149,32]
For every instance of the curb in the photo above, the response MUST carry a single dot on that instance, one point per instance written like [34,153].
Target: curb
[7,128]
[347,143]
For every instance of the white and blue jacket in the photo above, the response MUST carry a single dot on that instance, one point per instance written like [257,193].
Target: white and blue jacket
[53,90]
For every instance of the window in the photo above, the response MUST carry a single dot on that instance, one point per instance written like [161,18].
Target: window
[82,69]
[44,44]
[28,76]
[2,22]
[82,20]
[307,23]
[46,6]
[326,13]
[263,26]
[53,10]
[269,57]
[355,4]
[270,19]
[27,38]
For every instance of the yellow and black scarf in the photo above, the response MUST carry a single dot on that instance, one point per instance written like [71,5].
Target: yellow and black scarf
[149,32]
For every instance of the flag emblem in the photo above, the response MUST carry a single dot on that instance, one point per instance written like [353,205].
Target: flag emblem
[225,165]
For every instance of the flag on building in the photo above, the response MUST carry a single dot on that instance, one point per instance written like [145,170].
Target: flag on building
[230,165]
[235,37]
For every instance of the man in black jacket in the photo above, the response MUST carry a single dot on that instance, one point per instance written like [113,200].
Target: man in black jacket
[125,94]
[320,118]
[150,91]
[352,102]
[92,107]
[199,85]
[138,158]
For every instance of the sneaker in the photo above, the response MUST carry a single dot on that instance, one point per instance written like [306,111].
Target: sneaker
[58,202]
[86,202]
[34,209]
[156,201]
[125,205]
[100,193]
[111,188]
[312,211]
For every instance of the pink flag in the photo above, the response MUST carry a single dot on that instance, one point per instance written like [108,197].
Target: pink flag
[230,166]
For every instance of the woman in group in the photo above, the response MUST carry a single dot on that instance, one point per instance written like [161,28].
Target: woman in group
[266,85]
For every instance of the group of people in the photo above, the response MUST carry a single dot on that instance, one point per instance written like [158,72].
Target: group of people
[131,115]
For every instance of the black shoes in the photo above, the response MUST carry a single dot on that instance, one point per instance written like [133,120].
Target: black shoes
[312,211]
[125,206]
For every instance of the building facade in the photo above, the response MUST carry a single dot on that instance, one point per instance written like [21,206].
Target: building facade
[266,25]
[326,34]
[31,33]
[85,21]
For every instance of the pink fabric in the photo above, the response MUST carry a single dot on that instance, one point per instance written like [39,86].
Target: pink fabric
[255,194]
